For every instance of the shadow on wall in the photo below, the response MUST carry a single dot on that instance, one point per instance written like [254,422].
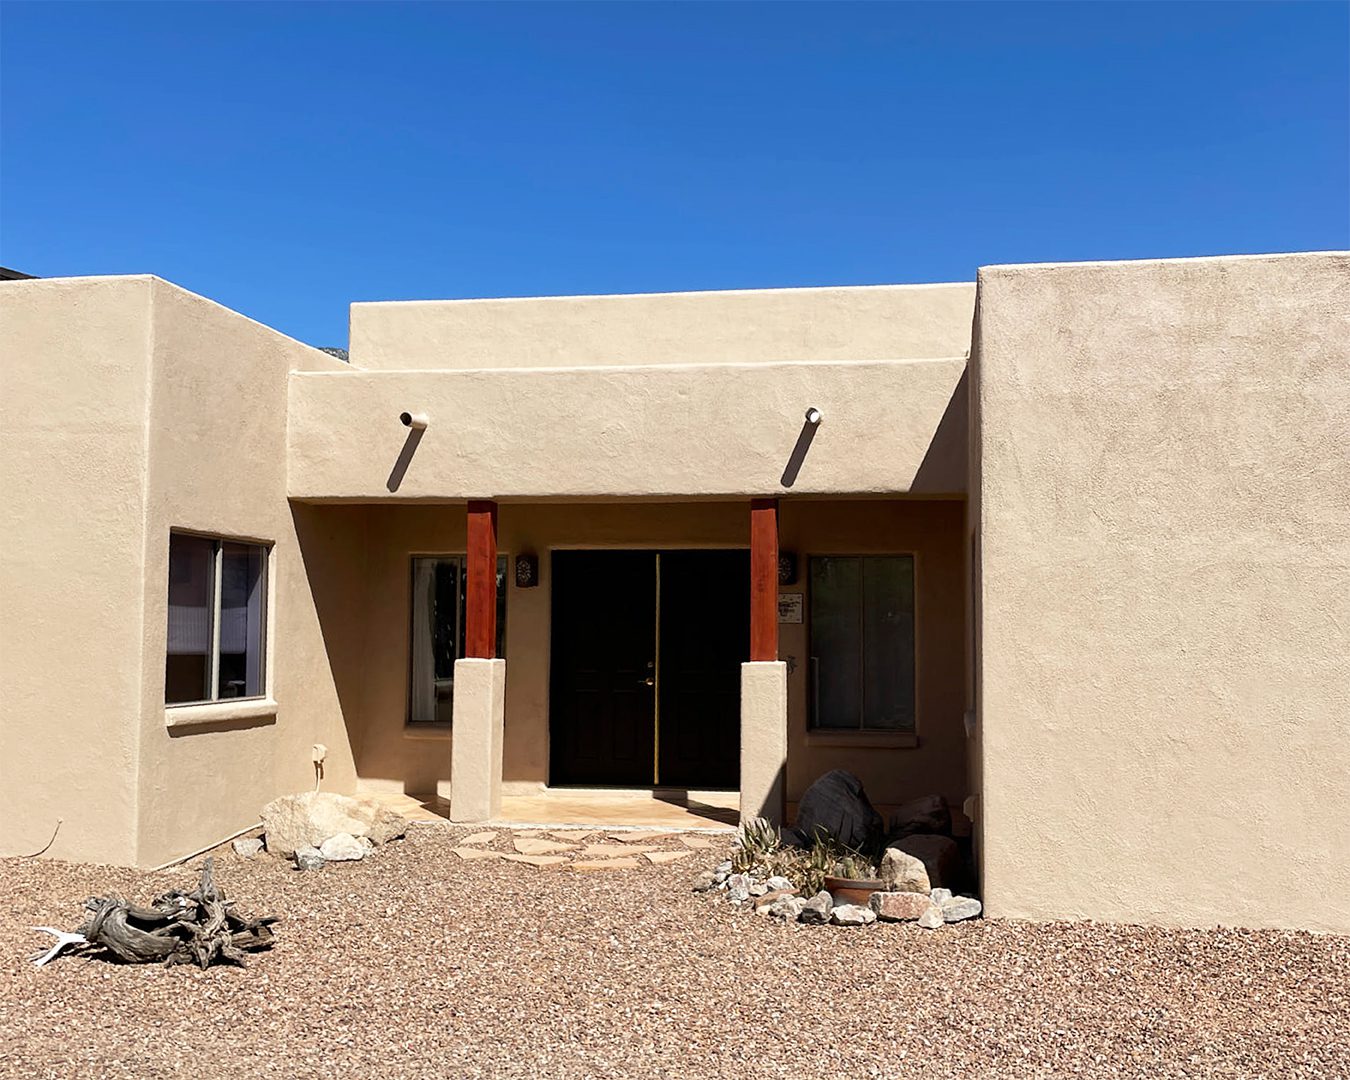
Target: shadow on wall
[943,468]
[405,457]
[798,455]
[331,541]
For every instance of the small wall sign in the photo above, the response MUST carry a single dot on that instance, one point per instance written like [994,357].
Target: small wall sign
[790,607]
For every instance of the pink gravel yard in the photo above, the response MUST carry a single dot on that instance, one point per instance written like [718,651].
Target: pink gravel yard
[419,963]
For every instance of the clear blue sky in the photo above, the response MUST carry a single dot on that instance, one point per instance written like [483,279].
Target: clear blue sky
[288,159]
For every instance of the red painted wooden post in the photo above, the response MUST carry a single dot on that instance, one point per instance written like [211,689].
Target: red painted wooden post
[763,579]
[480,614]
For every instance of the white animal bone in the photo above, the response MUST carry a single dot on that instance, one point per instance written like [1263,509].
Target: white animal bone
[63,938]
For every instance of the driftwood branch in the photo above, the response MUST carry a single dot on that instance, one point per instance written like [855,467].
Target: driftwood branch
[200,927]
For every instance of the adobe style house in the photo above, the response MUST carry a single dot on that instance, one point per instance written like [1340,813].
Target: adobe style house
[1069,545]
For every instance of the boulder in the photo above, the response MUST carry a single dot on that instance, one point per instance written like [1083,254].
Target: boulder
[763,903]
[852,915]
[817,909]
[247,846]
[785,907]
[930,814]
[940,896]
[932,918]
[903,872]
[310,818]
[899,906]
[343,848]
[939,854]
[308,858]
[961,907]
[837,805]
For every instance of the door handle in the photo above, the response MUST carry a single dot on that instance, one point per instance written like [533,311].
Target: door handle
[649,681]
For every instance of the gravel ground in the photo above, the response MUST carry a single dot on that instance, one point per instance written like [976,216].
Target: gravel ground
[416,964]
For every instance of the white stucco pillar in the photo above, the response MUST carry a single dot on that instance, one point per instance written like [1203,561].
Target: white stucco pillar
[764,740]
[476,742]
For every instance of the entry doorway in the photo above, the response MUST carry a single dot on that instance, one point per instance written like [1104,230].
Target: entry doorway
[646,667]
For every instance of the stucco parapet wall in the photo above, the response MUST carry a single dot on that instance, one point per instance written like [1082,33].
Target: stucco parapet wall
[871,322]
[691,431]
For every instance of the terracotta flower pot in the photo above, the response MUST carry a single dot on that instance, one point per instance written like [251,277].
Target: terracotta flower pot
[853,890]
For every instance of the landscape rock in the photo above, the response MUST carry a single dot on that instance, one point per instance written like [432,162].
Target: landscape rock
[247,846]
[738,888]
[837,805]
[817,909]
[932,918]
[758,888]
[930,814]
[660,858]
[531,845]
[704,880]
[310,818]
[770,898]
[554,860]
[852,915]
[342,848]
[899,906]
[940,856]
[307,857]
[468,853]
[940,896]
[776,882]
[902,872]
[785,907]
[961,907]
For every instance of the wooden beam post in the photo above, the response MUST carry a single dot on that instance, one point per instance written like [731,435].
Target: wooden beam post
[480,614]
[763,579]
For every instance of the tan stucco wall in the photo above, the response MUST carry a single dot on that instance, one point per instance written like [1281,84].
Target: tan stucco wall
[1165,548]
[133,407]
[391,755]
[882,322]
[217,464]
[74,391]
[646,432]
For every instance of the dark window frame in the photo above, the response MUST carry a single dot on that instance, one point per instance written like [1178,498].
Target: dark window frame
[461,558]
[263,549]
[814,727]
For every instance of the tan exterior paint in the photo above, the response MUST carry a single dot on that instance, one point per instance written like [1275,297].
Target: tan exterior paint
[882,322]
[476,758]
[132,408]
[392,755]
[73,401]
[764,750]
[1164,527]
[653,432]
[1143,608]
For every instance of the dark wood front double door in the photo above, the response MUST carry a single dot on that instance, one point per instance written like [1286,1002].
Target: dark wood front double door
[646,667]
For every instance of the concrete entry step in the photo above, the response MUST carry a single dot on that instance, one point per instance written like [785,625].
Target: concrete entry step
[594,808]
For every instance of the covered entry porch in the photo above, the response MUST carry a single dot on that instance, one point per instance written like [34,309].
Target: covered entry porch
[553,721]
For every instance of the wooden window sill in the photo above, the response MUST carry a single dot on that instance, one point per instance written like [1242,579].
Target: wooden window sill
[894,740]
[233,711]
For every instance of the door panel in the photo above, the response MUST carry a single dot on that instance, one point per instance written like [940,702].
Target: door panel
[602,712]
[705,637]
